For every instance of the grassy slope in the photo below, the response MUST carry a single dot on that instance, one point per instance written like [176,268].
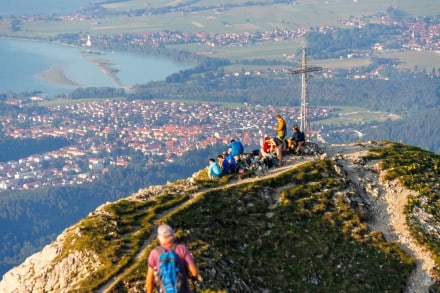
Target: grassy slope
[313,240]
[417,170]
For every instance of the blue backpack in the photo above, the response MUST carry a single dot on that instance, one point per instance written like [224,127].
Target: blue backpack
[170,279]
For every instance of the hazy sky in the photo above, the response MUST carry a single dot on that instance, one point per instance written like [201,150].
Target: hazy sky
[46,7]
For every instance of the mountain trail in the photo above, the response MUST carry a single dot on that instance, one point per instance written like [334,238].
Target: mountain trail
[289,163]
[384,201]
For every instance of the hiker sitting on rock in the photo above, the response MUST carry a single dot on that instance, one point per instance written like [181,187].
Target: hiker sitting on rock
[232,162]
[214,170]
[267,147]
[235,148]
[224,164]
[297,140]
[273,145]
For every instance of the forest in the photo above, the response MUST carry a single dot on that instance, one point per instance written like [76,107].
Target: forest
[27,217]
[15,149]
[345,41]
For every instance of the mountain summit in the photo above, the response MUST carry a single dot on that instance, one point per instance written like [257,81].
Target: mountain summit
[362,217]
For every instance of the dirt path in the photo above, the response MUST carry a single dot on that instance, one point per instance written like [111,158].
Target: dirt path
[290,162]
[386,202]
[395,199]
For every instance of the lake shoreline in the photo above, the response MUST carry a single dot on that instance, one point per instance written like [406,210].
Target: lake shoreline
[52,68]
[57,75]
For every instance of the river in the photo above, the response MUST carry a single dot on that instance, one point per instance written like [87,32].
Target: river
[52,68]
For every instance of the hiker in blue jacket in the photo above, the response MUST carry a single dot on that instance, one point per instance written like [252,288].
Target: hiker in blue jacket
[235,148]
[232,162]
[224,164]
[214,170]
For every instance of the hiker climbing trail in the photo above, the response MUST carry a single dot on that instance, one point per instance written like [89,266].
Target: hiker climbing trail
[151,240]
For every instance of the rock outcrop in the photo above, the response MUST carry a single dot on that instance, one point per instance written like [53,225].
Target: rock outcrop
[50,271]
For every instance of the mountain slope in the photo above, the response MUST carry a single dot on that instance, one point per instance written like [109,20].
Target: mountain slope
[336,223]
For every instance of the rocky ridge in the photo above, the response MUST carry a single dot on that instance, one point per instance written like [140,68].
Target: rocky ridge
[385,201]
[51,271]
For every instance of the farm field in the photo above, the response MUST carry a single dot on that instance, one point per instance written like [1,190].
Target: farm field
[410,60]
[315,12]
[279,51]
[237,16]
[210,16]
[355,115]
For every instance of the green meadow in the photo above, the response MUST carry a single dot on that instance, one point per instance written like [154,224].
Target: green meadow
[343,116]
[237,16]
[279,51]
[310,13]
[415,59]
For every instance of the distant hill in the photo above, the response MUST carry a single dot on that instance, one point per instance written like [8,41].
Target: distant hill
[362,217]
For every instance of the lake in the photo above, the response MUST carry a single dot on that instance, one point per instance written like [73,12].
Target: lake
[52,68]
